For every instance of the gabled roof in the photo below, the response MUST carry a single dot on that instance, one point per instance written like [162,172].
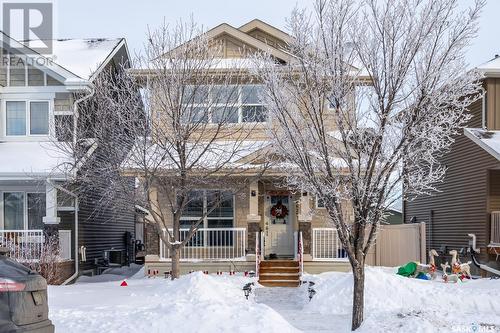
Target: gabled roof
[488,140]
[267,28]
[73,58]
[87,57]
[225,28]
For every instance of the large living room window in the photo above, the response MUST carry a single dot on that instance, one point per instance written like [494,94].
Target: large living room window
[24,118]
[201,206]
[23,210]
[228,104]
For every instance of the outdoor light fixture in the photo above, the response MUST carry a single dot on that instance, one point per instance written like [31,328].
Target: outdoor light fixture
[253,193]
[312,292]
[247,289]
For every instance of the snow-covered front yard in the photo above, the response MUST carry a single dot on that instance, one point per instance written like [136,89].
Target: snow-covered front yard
[211,303]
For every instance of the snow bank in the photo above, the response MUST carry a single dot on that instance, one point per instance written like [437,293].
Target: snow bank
[193,303]
[393,302]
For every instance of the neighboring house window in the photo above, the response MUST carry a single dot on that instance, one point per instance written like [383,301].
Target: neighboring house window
[39,118]
[229,104]
[22,121]
[199,204]
[13,210]
[16,118]
[319,202]
[22,210]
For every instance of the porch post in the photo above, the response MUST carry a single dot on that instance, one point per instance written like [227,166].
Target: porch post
[51,217]
[253,217]
[304,224]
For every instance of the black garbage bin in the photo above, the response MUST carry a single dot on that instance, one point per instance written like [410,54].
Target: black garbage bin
[23,299]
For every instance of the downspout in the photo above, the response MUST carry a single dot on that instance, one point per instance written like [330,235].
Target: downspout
[483,110]
[76,85]
[60,188]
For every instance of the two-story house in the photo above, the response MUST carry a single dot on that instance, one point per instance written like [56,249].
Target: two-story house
[37,90]
[468,201]
[252,221]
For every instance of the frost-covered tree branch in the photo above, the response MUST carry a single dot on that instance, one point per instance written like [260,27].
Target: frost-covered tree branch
[375,94]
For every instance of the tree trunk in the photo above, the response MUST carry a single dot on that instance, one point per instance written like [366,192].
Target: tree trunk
[358,298]
[175,257]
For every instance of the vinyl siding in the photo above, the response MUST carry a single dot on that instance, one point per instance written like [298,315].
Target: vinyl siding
[460,206]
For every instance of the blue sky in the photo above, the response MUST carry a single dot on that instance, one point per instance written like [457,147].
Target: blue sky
[129,19]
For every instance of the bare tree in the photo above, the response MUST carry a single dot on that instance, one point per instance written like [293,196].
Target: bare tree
[172,127]
[373,97]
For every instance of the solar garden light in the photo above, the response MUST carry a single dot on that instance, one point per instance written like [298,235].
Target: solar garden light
[247,289]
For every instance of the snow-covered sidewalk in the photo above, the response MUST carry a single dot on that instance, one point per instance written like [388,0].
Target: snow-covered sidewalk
[292,305]
[211,303]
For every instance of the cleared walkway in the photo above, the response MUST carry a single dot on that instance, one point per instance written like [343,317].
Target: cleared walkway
[291,304]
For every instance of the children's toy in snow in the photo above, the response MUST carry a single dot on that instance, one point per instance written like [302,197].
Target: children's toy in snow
[408,270]
[448,278]
[459,268]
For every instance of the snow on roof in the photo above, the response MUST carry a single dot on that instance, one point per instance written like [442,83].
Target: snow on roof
[488,140]
[32,159]
[223,153]
[82,57]
[490,67]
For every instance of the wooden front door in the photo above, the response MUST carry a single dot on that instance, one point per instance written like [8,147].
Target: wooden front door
[279,225]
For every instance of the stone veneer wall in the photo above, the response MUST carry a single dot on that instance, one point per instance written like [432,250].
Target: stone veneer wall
[305,228]
[253,227]
[151,239]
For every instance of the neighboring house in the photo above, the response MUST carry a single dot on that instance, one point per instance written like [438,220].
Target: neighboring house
[246,220]
[468,201]
[35,92]
[394,216]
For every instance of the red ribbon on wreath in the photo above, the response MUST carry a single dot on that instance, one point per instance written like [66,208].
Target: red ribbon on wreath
[279,211]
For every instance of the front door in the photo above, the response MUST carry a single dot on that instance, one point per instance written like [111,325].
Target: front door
[279,225]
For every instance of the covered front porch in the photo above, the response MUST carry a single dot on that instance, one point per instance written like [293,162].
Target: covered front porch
[29,220]
[267,220]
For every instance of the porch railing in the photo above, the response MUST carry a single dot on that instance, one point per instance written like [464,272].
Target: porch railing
[210,244]
[23,245]
[326,245]
[495,228]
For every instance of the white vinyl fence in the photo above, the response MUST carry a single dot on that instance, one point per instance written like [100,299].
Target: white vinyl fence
[212,244]
[23,245]
[326,245]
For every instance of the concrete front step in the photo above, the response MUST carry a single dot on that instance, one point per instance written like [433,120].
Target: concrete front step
[279,283]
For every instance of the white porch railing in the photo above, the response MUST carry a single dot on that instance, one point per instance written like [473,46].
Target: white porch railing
[23,245]
[210,244]
[495,228]
[326,245]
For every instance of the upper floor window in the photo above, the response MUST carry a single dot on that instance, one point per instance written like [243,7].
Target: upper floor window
[24,118]
[228,104]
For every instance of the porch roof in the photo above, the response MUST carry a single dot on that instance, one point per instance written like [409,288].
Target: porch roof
[31,160]
[488,140]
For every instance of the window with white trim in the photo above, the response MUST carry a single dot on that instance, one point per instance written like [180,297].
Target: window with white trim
[228,104]
[319,202]
[26,118]
[23,210]
[200,202]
